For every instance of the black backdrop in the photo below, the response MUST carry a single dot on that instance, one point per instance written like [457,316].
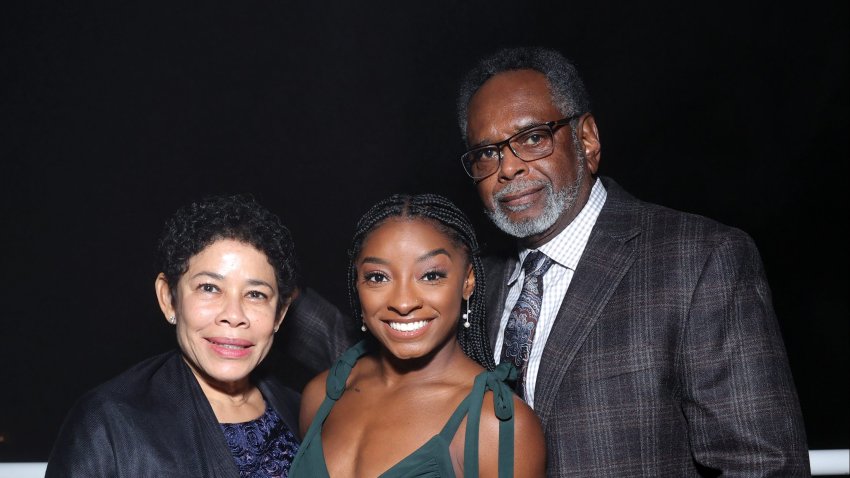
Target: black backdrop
[113,115]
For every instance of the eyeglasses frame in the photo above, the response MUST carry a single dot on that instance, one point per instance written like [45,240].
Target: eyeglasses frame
[500,146]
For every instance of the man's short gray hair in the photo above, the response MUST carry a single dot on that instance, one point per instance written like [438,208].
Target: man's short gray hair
[566,86]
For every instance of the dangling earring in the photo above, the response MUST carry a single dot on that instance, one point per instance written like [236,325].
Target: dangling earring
[466,314]
[172,320]
[363,327]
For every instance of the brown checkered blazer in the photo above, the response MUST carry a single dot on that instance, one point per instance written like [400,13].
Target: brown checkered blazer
[666,358]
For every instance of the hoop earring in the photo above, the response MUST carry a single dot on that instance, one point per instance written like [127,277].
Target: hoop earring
[466,315]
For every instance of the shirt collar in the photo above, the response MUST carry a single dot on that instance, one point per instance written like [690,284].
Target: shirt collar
[567,247]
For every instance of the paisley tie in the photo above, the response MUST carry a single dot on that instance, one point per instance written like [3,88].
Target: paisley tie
[519,331]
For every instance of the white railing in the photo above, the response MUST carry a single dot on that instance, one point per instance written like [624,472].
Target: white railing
[22,470]
[830,462]
[824,462]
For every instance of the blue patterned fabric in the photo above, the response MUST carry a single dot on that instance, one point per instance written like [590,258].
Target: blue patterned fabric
[519,333]
[262,448]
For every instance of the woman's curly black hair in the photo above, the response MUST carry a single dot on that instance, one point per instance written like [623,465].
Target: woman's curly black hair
[240,217]
[452,222]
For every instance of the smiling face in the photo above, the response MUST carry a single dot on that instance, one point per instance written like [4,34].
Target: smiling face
[225,305]
[411,279]
[531,200]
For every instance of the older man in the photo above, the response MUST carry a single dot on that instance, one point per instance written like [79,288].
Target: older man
[645,337]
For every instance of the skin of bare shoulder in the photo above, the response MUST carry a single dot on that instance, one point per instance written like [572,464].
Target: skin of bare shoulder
[311,399]
[529,442]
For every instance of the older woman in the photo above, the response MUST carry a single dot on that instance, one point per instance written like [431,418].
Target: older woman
[227,277]
[420,395]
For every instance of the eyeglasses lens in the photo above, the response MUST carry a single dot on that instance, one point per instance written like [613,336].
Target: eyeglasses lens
[528,145]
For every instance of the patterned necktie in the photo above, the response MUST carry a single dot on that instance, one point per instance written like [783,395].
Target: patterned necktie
[519,332]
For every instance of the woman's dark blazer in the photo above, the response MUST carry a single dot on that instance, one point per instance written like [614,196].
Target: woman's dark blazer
[154,420]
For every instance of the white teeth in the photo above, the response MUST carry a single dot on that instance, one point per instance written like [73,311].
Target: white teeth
[229,346]
[408,326]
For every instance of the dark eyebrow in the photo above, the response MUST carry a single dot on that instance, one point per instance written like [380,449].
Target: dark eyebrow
[481,144]
[260,282]
[215,276]
[208,274]
[374,260]
[433,253]
[427,255]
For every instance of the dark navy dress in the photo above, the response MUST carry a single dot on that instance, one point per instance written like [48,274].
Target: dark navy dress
[262,448]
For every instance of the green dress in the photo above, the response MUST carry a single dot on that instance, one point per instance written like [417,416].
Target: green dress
[432,459]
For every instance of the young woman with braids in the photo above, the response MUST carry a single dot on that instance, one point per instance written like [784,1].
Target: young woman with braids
[420,394]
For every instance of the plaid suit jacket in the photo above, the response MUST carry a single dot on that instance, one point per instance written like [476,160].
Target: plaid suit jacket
[665,358]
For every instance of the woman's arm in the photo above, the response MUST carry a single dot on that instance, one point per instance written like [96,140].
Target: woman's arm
[529,445]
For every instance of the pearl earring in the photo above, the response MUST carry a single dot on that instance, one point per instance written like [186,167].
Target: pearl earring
[363,327]
[466,315]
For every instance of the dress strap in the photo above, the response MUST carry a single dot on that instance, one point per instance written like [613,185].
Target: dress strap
[451,426]
[341,369]
[503,404]
[334,386]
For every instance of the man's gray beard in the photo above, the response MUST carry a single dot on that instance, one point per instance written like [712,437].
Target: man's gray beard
[555,204]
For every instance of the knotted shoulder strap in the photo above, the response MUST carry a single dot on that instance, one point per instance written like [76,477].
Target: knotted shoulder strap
[341,369]
[503,404]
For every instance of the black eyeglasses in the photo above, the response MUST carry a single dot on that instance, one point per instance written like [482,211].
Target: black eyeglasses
[533,143]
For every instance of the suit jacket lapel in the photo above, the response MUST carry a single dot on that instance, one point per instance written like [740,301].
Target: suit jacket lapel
[609,254]
[498,272]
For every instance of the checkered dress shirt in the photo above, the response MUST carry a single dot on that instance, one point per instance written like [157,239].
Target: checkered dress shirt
[565,249]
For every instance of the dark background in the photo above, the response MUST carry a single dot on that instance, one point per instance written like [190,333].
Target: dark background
[111,116]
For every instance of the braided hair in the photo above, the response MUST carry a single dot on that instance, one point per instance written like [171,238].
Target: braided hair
[452,222]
